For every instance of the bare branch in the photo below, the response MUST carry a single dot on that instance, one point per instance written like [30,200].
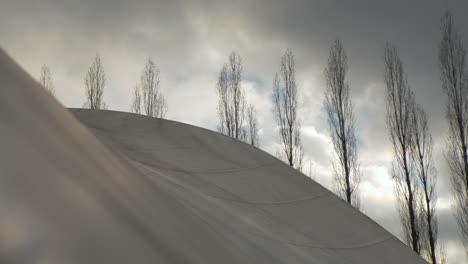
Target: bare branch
[400,105]
[427,174]
[231,99]
[252,122]
[46,80]
[154,103]
[455,84]
[285,103]
[136,103]
[95,82]
[341,125]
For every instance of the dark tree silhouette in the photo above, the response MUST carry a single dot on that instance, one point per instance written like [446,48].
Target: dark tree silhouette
[341,125]
[136,103]
[285,103]
[400,105]
[95,82]
[154,103]
[231,99]
[46,80]
[427,174]
[455,84]
[252,128]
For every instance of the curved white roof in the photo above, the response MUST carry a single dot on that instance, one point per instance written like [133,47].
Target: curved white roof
[112,187]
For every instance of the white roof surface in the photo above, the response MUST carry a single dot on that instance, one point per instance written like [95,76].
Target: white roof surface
[124,188]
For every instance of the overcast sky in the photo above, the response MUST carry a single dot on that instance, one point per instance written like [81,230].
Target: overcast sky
[190,40]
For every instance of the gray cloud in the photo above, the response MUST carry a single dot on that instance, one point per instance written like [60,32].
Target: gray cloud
[190,40]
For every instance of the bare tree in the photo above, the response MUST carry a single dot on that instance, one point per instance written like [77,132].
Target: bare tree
[285,103]
[252,129]
[154,103]
[400,105]
[95,82]
[224,103]
[427,174]
[442,254]
[341,125]
[311,170]
[231,99]
[455,84]
[46,80]
[136,103]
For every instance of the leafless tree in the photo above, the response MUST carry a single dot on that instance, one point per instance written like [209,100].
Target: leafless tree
[252,129]
[311,170]
[95,82]
[455,84]
[442,254]
[231,99]
[341,125]
[400,105]
[46,80]
[427,174]
[285,104]
[224,103]
[154,103]
[136,103]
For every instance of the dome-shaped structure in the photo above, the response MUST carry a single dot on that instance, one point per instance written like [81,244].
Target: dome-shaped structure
[112,187]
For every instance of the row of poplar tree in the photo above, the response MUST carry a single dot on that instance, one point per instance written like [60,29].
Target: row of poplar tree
[147,98]
[413,169]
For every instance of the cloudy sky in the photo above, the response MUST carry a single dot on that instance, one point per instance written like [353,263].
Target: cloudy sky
[190,40]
